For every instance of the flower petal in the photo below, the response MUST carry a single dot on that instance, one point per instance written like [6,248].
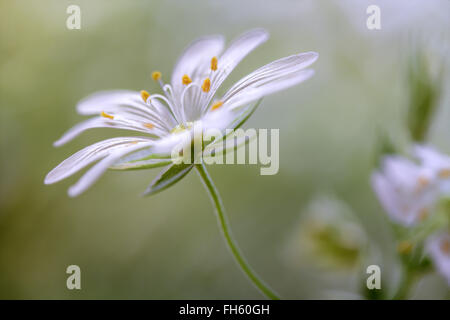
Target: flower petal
[101,122]
[279,70]
[195,57]
[127,103]
[237,50]
[109,101]
[89,155]
[258,91]
[438,248]
[94,173]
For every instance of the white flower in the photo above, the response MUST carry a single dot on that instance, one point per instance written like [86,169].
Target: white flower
[437,162]
[166,119]
[407,191]
[439,248]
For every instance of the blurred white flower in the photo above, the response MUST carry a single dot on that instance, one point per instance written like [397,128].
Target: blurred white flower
[437,162]
[167,120]
[439,249]
[330,233]
[407,191]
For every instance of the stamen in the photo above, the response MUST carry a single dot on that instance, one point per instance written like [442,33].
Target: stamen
[423,182]
[186,80]
[156,75]
[216,105]
[214,63]
[148,125]
[444,173]
[145,95]
[206,85]
[404,247]
[423,214]
[105,115]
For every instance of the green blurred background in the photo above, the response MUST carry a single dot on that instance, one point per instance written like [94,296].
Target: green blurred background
[168,246]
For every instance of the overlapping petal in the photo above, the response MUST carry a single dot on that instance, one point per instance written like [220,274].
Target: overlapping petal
[195,60]
[90,154]
[439,248]
[407,191]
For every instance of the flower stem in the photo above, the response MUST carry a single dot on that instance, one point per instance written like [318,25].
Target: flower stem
[405,285]
[232,245]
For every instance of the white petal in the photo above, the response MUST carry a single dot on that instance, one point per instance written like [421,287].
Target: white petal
[431,157]
[253,93]
[87,156]
[129,104]
[161,149]
[94,173]
[109,101]
[237,50]
[406,190]
[387,196]
[437,247]
[401,171]
[285,67]
[195,57]
[101,122]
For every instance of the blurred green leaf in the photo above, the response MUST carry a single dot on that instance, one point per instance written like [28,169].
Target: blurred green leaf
[425,88]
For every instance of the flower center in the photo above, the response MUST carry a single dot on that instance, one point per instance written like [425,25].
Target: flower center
[182,127]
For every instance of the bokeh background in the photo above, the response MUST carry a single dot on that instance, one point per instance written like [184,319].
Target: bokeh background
[168,246]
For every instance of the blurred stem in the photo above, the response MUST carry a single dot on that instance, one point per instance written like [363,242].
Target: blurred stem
[232,245]
[407,281]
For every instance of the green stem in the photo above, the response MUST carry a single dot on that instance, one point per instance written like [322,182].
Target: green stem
[232,245]
[405,285]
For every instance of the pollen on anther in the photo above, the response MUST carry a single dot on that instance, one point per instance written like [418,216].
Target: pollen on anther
[444,173]
[423,182]
[214,63]
[156,75]
[149,125]
[145,95]
[423,214]
[216,105]
[404,247]
[206,85]
[105,115]
[186,80]
[445,246]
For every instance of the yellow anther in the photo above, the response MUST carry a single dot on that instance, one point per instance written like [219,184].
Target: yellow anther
[206,85]
[105,115]
[149,125]
[423,214]
[145,95]
[444,173]
[404,247]
[186,80]
[216,105]
[423,182]
[445,246]
[156,75]
[214,63]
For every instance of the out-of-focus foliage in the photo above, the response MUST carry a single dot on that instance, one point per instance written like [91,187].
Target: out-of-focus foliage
[168,245]
[425,86]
